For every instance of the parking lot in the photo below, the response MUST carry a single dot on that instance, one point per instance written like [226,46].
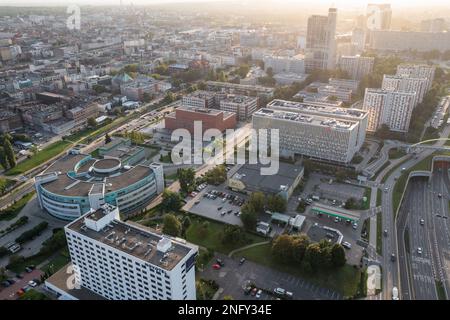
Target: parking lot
[233,276]
[10,293]
[216,202]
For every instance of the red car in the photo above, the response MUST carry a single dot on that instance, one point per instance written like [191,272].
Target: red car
[216,266]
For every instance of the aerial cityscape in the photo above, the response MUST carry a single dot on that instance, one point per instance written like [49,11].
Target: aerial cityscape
[224,150]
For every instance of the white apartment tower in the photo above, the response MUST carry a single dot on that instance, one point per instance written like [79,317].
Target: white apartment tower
[356,66]
[126,261]
[392,108]
[417,71]
[404,83]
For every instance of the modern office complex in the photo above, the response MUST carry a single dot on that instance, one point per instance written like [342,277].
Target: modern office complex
[316,130]
[126,261]
[321,41]
[199,99]
[392,108]
[404,83]
[234,88]
[396,41]
[279,64]
[243,106]
[356,66]
[74,184]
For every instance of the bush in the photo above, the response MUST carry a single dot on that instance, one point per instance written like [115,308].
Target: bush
[32,233]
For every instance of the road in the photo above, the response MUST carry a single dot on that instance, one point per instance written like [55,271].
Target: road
[390,270]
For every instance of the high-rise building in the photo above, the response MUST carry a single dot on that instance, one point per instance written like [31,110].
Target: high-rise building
[316,130]
[433,25]
[356,66]
[379,16]
[417,71]
[405,83]
[125,261]
[321,41]
[392,108]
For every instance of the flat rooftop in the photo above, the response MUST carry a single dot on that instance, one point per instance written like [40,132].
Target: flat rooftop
[319,108]
[60,279]
[314,120]
[250,175]
[81,185]
[136,240]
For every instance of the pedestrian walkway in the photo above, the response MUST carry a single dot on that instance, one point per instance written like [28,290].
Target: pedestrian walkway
[247,247]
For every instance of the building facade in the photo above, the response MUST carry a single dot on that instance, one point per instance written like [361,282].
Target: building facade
[123,261]
[74,184]
[392,108]
[419,86]
[356,66]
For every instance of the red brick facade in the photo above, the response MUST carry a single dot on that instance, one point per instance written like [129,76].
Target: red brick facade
[210,118]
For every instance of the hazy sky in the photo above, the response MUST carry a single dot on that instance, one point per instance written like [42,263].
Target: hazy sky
[337,3]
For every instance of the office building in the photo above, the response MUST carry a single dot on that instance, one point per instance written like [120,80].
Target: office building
[378,16]
[279,64]
[77,182]
[405,83]
[392,108]
[344,83]
[185,118]
[126,261]
[397,41]
[337,93]
[316,130]
[242,106]
[199,99]
[233,88]
[321,41]
[356,66]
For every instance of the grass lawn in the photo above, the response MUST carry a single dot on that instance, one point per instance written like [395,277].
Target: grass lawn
[19,266]
[42,156]
[367,194]
[396,153]
[379,195]
[440,291]
[344,280]
[95,153]
[57,262]
[5,184]
[172,176]
[210,238]
[379,233]
[12,211]
[33,295]
[165,159]
[386,176]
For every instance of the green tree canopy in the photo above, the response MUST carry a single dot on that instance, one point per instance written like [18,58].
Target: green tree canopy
[172,226]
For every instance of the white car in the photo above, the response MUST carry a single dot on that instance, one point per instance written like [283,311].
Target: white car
[395,294]
[279,291]
[419,250]
[258,294]
[347,245]
[32,283]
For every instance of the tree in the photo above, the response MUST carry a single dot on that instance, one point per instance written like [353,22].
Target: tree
[338,255]
[313,256]
[10,156]
[282,248]
[171,201]
[257,201]
[3,158]
[186,176]
[107,138]
[276,203]
[185,224]
[91,122]
[169,98]
[299,245]
[172,226]
[232,235]
[249,216]
[216,175]
[351,203]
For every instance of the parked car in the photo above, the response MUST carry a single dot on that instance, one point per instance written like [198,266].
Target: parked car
[32,283]
[254,291]
[346,245]
[241,262]
[216,266]
[258,294]
[220,262]
[279,291]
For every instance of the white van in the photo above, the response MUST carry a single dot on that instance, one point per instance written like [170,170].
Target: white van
[395,294]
